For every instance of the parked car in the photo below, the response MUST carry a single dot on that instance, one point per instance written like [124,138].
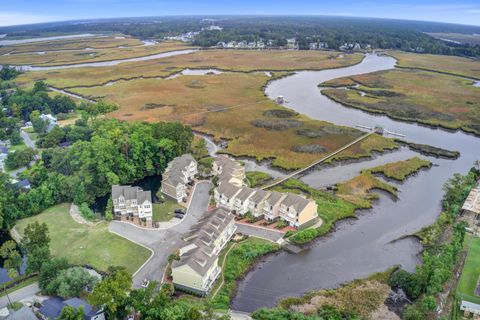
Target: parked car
[178,215]
[179,211]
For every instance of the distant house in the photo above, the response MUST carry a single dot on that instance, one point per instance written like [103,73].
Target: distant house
[52,307]
[24,313]
[470,308]
[198,268]
[132,201]
[3,157]
[292,43]
[472,203]
[52,121]
[228,170]
[179,173]
[24,184]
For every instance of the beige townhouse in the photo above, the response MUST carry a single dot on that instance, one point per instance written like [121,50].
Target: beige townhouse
[271,205]
[298,211]
[228,170]
[198,267]
[132,201]
[178,174]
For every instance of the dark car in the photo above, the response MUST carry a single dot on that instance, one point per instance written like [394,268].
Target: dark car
[180,211]
[178,215]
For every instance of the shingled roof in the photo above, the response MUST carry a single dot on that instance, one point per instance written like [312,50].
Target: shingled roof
[173,174]
[130,193]
[200,255]
[472,203]
[294,200]
[228,189]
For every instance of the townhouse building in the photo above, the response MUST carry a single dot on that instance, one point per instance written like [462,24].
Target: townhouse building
[179,173]
[198,268]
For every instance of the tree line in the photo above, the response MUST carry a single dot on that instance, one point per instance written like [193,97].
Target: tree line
[115,153]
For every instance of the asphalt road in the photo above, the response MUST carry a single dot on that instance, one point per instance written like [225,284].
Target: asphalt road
[163,242]
[271,235]
[26,138]
[20,294]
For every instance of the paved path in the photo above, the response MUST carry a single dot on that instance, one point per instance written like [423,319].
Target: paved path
[20,294]
[267,234]
[26,138]
[163,241]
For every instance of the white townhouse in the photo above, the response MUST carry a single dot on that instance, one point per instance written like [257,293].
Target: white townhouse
[224,195]
[256,201]
[241,200]
[132,201]
[179,173]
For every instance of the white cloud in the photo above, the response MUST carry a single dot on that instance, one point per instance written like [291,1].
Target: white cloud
[473,11]
[16,18]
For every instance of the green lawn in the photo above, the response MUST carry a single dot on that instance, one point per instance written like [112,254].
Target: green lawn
[81,244]
[257,178]
[470,273]
[17,147]
[164,211]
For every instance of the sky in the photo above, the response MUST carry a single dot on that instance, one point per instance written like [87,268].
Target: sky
[35,11]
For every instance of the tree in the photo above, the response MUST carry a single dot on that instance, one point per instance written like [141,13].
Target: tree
[112,292]
[71,282]
[49,271]
[36,243]
[12,258]
[39,125]
[20,158]
[8,73]
[109,210]
[70,313]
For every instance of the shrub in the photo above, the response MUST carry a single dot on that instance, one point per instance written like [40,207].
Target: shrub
[280,113]
[86,212]
[309,148]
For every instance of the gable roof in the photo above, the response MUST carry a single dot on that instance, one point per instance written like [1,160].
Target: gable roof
[130,193]
[173,173]
[228,189]
[274,197]
[472,203]
[294,200]
[77,303]
[245,193]
[259,196]
[200,256]
[52,307]
[143,196]
[24,313]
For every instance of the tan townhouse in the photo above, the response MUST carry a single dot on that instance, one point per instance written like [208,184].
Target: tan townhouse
[132,201]
[198,267]
[179,173]
[228,170]
[298,211]
[271,205]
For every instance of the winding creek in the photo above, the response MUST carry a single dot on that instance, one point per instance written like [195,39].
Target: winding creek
[368,244]
[358,247]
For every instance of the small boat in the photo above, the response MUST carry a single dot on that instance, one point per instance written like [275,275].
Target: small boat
[280,100]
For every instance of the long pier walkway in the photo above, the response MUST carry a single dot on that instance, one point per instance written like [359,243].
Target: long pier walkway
[291,175]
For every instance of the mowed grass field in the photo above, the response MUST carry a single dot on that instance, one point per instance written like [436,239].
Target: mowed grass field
[233,106]
[82,244]
[471,272]
[53,58]
[414,95]
[456,65]
[233,60]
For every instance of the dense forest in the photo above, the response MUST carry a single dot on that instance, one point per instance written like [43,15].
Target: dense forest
[334,31]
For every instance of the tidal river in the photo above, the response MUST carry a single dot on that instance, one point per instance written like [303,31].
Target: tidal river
[369,244]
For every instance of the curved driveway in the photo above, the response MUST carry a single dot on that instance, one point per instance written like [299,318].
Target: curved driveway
[163,241]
